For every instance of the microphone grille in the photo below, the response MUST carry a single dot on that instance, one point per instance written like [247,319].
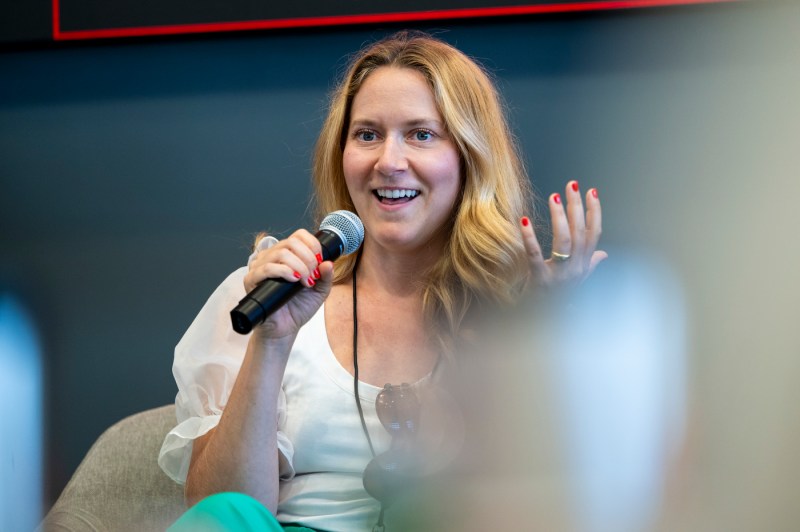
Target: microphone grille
[348,226]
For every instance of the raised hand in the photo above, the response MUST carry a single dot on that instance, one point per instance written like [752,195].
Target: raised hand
[575,236]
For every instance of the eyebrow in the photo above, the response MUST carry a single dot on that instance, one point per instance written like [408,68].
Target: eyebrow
[417,122]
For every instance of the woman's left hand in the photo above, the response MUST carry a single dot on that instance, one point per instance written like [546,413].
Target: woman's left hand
[575,237]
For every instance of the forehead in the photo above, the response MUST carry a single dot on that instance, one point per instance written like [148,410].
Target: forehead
[395,89]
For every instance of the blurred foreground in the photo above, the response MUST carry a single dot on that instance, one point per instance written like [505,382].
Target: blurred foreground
[663,394]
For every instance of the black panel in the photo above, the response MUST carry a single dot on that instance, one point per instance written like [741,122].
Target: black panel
[33,21]
[79,15]
[25,21]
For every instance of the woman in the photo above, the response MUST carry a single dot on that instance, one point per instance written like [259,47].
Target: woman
[415,143]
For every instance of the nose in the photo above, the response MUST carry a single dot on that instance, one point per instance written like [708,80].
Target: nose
[392,158]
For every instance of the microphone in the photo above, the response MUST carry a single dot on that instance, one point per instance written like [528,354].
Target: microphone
[340,233]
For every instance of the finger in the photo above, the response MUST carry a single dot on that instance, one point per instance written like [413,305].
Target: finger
[306,247]
[325,279]
[298,257]
[594,221]
[562,242]
[269,270]
[597,257]
[313,244]
[576,221]
[305,255]
[532,247]
[289,259]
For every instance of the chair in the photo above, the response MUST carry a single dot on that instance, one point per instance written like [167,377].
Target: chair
[119,485]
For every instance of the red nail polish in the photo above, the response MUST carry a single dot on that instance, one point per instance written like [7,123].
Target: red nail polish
[557,198]
[297,275]
[575,186]
[311,282]
[319,258]
[316,273]
[525,221]
[594,192]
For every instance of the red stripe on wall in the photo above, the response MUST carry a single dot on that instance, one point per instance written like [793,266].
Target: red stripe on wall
[337,20]
[56,20]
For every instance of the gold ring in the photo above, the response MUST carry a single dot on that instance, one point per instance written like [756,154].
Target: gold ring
[560,257]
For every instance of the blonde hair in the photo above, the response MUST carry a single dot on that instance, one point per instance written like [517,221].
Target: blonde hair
[485,257]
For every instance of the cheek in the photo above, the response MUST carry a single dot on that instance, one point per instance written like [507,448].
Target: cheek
[355,175]
[354,165]
[447,168]
[349,169]
[355,154]
[347,162]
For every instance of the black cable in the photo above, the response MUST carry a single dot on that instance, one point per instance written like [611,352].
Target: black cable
[379,526]
[355,360]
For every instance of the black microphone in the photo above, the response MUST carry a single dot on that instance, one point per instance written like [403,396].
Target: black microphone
[340,233]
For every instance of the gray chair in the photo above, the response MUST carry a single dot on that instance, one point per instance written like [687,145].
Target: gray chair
[118,485]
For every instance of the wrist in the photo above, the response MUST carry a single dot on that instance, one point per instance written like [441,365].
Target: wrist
[271,344]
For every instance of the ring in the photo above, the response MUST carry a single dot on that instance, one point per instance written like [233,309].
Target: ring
[560,257]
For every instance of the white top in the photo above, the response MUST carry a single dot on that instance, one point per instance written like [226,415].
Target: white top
[319,429]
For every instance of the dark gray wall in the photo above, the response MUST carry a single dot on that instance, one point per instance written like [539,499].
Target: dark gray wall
[134,174]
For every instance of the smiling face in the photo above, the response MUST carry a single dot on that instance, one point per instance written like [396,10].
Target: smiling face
[401,167]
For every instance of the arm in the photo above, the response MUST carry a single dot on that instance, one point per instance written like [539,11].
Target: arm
[241,452]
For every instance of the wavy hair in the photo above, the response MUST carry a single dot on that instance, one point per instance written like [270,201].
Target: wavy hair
[484,261]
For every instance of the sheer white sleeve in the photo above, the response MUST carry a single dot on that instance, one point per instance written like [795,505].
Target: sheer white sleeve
[207,361]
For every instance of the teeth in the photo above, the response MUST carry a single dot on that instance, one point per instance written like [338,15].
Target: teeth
[396,193]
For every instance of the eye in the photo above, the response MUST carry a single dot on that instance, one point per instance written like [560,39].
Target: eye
[423,135]
[365,135]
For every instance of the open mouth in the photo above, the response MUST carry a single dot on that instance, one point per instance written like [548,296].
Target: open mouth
[394,196]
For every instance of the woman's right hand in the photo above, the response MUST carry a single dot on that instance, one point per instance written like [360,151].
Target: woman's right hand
[295,259]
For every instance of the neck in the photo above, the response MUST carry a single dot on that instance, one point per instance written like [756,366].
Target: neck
[396,273]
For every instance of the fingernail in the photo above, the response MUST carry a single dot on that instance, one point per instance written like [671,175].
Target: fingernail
[525,221]
[319,258]
[316,273]
[297,275]
[557,198]
[575,186]
[311,282]
[594,192]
